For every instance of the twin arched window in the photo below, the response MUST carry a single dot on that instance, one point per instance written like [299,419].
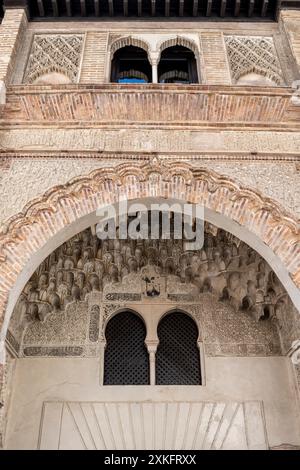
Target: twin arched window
[130,64]
[126,360]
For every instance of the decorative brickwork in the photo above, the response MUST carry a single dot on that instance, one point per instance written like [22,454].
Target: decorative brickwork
[94,58]
[215,64]
[153,104]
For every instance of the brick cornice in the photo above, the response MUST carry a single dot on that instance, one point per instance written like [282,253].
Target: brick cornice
[6,157]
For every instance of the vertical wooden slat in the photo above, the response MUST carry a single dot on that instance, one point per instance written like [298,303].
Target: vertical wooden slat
[251,8]
[69,8]
[41,7]
[181,7]
[55,7]
[111,7]
[82,8]
[195,7]
[237,7]
[97,7]
[208,7]
[264,7]
[167,7]
[125,7]
[140,8]
[223,8]
[153,7]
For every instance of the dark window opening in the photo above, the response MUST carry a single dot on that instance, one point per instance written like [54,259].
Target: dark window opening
[126,360]
[177,356]
[177,65]
[130,64]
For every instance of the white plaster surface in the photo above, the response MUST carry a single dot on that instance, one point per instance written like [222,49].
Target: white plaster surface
[266,380]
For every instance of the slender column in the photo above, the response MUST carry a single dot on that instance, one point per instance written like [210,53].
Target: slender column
[154,57]
[154,73]
[152,347]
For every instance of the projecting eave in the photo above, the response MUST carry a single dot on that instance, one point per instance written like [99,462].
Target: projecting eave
[152,10]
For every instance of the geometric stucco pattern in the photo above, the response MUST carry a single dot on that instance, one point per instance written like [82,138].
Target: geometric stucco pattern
[253,54]
[27,232]
[54,53]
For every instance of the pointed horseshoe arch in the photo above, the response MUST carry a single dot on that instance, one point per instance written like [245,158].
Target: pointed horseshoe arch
[48,221]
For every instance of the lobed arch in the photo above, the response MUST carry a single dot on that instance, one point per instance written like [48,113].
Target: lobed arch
[120,44]
[184,42]
[48,221]
[179,41]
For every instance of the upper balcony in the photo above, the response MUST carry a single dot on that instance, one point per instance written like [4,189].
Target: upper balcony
[152,105]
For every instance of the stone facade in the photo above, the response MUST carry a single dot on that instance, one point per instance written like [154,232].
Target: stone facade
[70,141]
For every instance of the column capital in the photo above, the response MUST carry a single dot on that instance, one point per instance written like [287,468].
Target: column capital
[151,345]
[154,57]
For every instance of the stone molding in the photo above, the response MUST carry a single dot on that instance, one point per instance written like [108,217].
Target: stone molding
[71,142]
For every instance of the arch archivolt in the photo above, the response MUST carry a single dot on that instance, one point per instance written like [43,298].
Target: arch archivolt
[44,224]
[129,41]
[154,45]
[178,41]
